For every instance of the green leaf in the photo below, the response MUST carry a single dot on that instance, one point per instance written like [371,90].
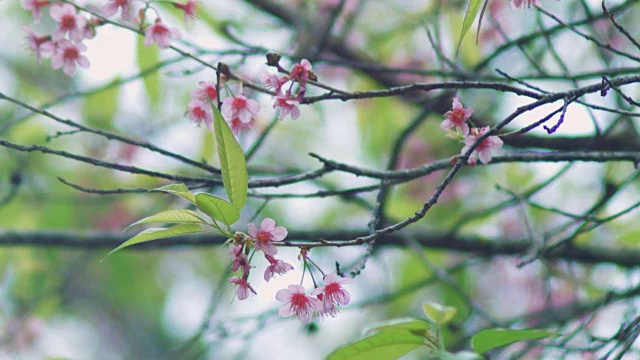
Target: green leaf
[415,326]
[158,233]
[148,58]
[386,345]
[469,17]
[219,209]
[489,339]
[172,216]
[232,162]
[100,107]
[180,190]
[439,314]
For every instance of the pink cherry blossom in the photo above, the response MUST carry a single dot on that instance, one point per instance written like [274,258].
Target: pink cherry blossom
[67,55]
[206,91]
[333,293]
[240,260]
[41,45]
[296,303]
[112,6]
[242,287]
[484,149]
[238,126]
[266,235]
[189,9]
[34,6]
[200,112]
[286,105]
[241,108]
[161,34]
[457,117]
[277,267]
[517,4]
[69,21]
[273,81]
[300,72]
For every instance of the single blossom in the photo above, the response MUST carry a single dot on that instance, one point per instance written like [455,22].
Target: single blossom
[266,235]
[41,45]
[241,108]
[34,6]
[112,6]
[457,117]
[300,72]
[200,112]
[68,55]
[484,149]
[206,91]
[517,4]
[240,260]
[296,303]
[237,126]
[276,266]
[69,21]
[161,34]
[242,287]
[332,293]
[189,9]
[273,81]
[286,105]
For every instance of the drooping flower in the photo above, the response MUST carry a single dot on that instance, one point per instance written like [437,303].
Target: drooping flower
[238,126]
[333,293]
[296,303]
[189,9]
[242,287]
[286,105]
[240,260]
[241,108]
[273,81]
[34,6]
[41,45]
[112,6]
[276,266]
[68,55]
[457,117]
[484,149]
[161,34]
[69,21]
[200,112]
[266,235]
[517,4]
[206,91]
[300,72]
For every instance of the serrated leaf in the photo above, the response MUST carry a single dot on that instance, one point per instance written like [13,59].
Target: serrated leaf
[172,216]
[158,233]
[469,17]
[386,345]
[439,314]
[219,209]
[490,339]
[180,190]
[100,107]
[415,326]
[148,57]
[232,162]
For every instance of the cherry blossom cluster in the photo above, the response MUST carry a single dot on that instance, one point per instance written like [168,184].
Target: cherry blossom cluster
[458,119]
[65,44]
[321,301]
[289,88]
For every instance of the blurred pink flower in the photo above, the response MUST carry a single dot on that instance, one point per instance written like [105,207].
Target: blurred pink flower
[333,293]
[241,108]
[69,21]
[161,34]
[240,260]
[300,72]
[484,149]
[67,55]
[296,303]
[277,267]
[206,91]
[200,112]
[266,235]
[286,105]
[457,117]
[272,81]
[34,6]
[112,6]
[517,4]
[189,9]
[242,287]
[41,45]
